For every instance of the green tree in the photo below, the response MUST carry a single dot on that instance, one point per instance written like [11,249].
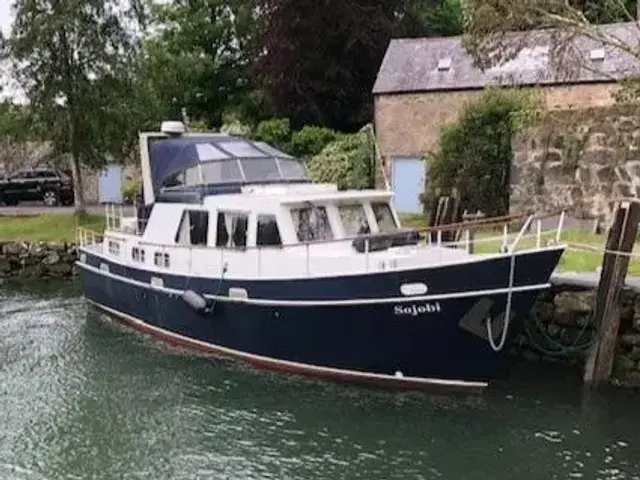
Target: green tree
[17,127]
[198,59]
[440,18]
[311,140]
[317,60]
[490,24]
[474,154]
[348,161]
[68,55]
[275,131]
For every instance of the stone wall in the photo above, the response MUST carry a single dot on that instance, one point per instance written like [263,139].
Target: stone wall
[579,161]
[408,123]
[561,327]
[38,260]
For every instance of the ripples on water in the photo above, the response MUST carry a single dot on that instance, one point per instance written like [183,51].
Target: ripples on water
[81,397]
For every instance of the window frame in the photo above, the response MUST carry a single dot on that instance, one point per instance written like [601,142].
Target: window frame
[329,222]
[273,216]
[113,247]
[373,204]
[161,259]
[186,216]
[246,215]
[137,254]
[364,215]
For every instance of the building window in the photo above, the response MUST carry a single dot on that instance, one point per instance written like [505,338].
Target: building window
[161,259]
[267,232]
[193,228]
[137,254]
[384,217]
[114,248]
[231,230]
[311,224]
[354,219]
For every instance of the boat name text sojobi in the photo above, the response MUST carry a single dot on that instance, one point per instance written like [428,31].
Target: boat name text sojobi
[414,310]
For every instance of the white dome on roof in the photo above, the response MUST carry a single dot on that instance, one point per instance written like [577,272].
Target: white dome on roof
[172,127]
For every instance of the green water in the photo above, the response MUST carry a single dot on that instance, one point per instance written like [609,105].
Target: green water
[83,398]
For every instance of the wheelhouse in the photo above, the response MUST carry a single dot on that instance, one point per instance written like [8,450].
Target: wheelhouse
[175,167]
[224,191]
[272,217]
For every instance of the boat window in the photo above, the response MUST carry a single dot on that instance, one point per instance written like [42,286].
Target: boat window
[269,150]
[161,259]
[175,180]
[267,232]
[221,172]
[311,224]
[240,149]
[184,178]
[260,169]
[137,254]
[292,169]
[114,248]
[354,219]
[231,231]
[193,228]
[206,151]
[384,217]
[206,173]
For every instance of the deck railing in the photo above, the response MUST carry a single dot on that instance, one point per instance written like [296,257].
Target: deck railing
[506,235]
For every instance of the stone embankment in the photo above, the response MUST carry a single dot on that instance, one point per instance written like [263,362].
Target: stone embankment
[561,326]
[24,260]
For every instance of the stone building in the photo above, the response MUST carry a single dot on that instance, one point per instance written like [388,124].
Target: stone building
[425,82]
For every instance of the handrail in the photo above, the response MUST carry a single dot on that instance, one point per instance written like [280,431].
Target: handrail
[503,221]
[520,235]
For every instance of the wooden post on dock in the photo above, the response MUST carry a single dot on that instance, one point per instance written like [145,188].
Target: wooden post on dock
[622,236]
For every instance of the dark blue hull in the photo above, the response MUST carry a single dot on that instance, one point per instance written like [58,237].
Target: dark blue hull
[351,327]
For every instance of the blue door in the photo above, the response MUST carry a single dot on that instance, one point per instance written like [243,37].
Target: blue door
[110,184]
[408,182]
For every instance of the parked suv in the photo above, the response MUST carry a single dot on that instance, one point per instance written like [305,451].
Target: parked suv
[49,185]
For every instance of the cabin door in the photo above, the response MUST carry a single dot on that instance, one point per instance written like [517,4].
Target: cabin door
[408,180]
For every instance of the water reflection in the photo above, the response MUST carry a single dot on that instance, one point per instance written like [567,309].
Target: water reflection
[85,398]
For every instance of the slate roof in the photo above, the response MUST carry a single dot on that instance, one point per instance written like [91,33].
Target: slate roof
[411,65]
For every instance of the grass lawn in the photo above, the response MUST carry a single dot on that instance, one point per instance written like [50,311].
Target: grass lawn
[575,258]
[571,261]
[56,227]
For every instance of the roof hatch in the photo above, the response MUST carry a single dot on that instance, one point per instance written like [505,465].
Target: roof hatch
[444,64]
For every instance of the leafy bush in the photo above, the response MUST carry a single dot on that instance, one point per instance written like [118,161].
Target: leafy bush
[199,126]
[475,152]
[348,161]
[310,140]
[130,189]
[276,132]
[236,127]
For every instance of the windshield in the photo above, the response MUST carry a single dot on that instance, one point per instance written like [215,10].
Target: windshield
[354,219]
[311,224]
[384,217]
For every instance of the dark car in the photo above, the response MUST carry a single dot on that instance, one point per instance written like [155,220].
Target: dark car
[48,185]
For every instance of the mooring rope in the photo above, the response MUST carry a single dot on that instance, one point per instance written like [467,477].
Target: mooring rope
[507,313]
[559,349]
